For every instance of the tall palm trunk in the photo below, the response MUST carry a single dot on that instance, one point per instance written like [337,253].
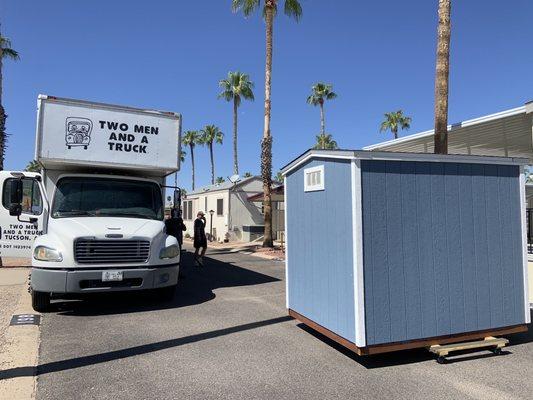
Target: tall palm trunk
[212,163]
[192,162]
[442,78]
[266,143]
[395,133]
[235,156]
[322,119]
[2,117]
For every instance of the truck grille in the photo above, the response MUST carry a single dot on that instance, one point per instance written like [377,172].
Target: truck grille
[92,251]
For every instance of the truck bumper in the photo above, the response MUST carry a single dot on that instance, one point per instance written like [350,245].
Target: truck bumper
[90,281]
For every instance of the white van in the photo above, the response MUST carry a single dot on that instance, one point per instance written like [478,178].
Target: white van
[93,220]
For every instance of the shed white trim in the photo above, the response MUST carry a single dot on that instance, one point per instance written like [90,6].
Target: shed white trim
[357,237]
[524,243]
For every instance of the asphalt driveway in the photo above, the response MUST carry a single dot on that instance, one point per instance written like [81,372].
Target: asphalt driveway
[226,336]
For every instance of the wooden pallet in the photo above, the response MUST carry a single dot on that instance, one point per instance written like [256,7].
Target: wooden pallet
[494,344]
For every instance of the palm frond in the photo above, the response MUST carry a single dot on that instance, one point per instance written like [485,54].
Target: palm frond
[394,120]
[325,142]
[293,9]
[191,138]
[235,86]
[320,92]
[7,51]
[247,6]
[211,134]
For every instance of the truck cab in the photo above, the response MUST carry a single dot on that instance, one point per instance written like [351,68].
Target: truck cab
[91,223]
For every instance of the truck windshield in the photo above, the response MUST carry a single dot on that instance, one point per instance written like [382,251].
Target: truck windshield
[101,197]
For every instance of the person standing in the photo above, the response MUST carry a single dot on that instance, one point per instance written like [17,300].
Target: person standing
[175,225]
[200,239]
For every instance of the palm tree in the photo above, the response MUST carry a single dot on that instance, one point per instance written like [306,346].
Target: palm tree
[183,155]
[279,177]
[395,120]
[191,139]
[442,77]
[247,175]
[209,135]
[235,87]
[292,8]
[320,92]
[33,166]
[325,141]
[5,52]
[220,180]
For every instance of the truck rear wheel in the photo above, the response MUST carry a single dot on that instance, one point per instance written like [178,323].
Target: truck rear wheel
[40,301]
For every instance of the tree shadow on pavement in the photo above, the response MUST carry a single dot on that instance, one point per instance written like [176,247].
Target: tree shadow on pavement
[94,359]
[195,286]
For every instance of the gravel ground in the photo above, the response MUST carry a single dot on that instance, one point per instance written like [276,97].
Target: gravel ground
[226,336]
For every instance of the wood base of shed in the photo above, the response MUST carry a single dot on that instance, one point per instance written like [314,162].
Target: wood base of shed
[410,344]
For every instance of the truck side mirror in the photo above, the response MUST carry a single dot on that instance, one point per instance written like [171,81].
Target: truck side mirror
[16,191]
[15,209]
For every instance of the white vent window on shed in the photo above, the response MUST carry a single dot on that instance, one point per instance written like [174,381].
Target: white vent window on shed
[314,179]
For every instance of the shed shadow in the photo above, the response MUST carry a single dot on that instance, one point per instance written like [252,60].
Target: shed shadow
[419,355]
[196,285]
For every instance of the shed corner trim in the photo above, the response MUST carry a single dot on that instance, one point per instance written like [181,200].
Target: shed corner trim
[524,243]
[357,238]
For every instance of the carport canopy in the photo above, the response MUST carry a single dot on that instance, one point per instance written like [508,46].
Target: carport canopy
[507,133]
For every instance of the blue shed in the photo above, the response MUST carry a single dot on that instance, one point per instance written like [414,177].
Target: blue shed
[388,251]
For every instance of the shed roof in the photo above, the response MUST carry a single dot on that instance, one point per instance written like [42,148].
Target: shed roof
[399,156]
[506,133]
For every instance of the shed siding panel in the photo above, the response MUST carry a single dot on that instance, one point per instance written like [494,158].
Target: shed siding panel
[442,251]
[424,222]
[320,244]
[468,246]
[410,250]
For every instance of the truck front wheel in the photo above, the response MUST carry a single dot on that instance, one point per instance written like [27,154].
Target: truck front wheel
[40,301]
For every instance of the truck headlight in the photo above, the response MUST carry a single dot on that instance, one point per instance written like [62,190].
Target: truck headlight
[170,251]
[43,253]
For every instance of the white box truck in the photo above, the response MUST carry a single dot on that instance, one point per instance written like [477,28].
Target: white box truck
[93,219]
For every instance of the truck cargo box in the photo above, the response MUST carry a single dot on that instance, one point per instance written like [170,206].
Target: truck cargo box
[389,251]
[83,134]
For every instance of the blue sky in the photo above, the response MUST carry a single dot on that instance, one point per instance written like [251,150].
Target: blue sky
[170,55]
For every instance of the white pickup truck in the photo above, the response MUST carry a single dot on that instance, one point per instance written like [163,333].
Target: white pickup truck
[93,219]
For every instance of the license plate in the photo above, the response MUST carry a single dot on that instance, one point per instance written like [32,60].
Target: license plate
[111,276]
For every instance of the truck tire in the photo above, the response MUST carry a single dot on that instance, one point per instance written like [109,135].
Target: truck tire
[166,294]
[40,301]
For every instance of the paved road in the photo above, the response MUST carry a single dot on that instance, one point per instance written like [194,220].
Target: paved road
[226,336]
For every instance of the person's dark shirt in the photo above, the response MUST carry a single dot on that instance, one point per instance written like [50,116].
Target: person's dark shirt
[200,240]
[175,227]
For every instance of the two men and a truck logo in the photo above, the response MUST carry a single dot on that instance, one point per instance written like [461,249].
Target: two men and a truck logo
[78,132]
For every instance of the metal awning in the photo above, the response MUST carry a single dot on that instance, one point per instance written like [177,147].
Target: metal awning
[507,133]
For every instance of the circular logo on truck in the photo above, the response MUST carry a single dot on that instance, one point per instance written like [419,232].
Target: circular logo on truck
[78,132]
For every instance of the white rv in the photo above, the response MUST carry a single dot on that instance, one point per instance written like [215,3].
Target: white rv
[92,221]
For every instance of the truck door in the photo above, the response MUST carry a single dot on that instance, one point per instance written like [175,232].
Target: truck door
[17,233]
